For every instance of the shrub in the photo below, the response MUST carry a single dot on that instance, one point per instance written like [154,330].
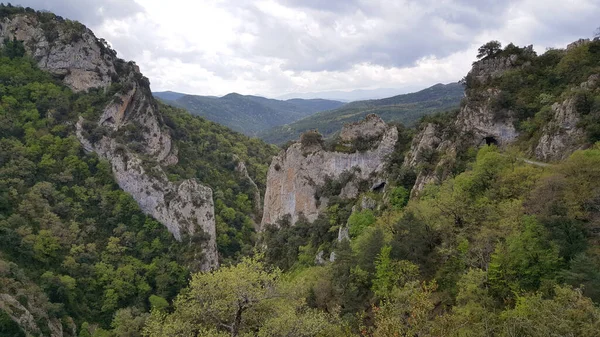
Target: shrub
[311,138]
[359,221]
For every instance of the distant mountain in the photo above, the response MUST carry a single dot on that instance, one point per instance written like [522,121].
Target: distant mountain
[351,96]
[407,109]
[248,114]
[168,95]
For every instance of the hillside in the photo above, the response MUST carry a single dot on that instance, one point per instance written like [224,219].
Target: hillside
[346,96]
[168,95]
[95,218]
[406,109]
[249,114]
[122,216]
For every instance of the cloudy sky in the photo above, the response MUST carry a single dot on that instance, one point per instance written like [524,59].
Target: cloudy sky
[276,47]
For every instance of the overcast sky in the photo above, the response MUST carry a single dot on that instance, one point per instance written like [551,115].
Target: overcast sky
[275,47]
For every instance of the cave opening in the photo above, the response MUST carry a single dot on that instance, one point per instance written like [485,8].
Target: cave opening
[490,141]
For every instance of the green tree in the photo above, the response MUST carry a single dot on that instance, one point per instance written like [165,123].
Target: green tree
[359,221]
[489,49]
[525,262]
[569,313]
[229,300]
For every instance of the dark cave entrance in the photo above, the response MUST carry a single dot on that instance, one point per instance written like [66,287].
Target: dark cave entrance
[378,186]
[490,141]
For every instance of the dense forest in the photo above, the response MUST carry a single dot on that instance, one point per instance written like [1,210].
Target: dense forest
[504,249]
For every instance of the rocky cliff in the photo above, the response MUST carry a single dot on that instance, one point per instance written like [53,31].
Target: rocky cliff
[488,116]
[564,134]
[298,173]
[130,132]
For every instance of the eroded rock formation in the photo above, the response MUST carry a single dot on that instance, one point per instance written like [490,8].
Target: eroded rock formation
[296,173]
[483,120]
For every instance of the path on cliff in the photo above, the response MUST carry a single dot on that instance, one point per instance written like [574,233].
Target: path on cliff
[533,162]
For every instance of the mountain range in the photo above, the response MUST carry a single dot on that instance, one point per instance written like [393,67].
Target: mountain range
[351,95]
[248,114]
[406,109]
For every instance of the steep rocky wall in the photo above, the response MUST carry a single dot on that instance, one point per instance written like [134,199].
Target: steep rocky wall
[74,54]
[480,121]
[184,208]
[562,135]
[477,123]
[295,174]
[243,172]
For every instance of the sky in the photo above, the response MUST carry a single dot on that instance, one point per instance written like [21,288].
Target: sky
[277,47]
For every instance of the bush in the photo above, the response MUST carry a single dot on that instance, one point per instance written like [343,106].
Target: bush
[399,197]
[311,138]
[359,221]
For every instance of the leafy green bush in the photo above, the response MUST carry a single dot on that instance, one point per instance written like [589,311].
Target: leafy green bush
[359,221]
[311,138]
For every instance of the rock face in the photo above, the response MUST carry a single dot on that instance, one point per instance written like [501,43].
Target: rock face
[243,172]
[25,318]
[295,174]
[562,135]
[371,127]
[434,148]
[73,53]
[70,50]
[482,120]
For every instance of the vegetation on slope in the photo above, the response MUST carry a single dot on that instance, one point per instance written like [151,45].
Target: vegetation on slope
[210,153]
[491,252]
[250,114]
[530,90]
[501,249]
[504,248]
[64,224]
[406,109]
[73,246]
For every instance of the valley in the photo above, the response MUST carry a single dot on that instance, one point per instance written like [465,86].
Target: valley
[464,209]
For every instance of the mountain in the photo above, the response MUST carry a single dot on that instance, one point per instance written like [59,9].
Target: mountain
[406,109]
[350,96]
[109,200]
[168,95]
[123,216]
[249,114]
[481,221]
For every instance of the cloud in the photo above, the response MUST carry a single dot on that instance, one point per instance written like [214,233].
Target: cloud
[91,12]
[273,47]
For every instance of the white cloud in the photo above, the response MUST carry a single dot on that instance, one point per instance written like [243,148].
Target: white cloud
[273,47]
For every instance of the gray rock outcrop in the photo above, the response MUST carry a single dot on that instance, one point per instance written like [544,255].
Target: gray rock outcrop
[296,173]
[70,50]
[563,134]
[243,172]
[434,148]
[482,120]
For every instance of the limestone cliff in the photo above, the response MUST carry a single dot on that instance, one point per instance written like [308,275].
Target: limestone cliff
[563,134]
[296,174]
[488,117]
[130,132]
